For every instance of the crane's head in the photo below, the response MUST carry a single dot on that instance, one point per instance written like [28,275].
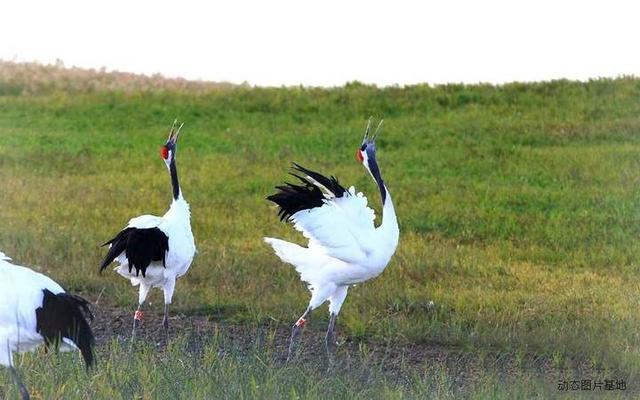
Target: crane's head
[168,151]
[366,154]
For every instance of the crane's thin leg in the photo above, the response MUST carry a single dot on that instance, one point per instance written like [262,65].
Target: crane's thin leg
[168,289]
[16,378]
[295,332]
[331,337]
[137,320]
[335,303]
[138,315]
[165,322]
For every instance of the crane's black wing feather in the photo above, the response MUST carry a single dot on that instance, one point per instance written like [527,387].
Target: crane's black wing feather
[65,315]
[292,198]
[330,183]
[140,246]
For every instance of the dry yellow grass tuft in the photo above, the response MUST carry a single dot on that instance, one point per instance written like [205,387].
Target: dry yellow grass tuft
[37,79]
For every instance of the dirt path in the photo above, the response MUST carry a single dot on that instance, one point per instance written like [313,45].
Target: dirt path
[367,360]
[111,322]
[240,340]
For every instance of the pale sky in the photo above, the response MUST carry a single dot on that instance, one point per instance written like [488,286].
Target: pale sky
[328,43]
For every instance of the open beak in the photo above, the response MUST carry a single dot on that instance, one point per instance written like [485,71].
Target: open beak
[174,132]
[368,138]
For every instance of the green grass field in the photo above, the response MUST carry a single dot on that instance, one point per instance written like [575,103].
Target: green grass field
[519,210]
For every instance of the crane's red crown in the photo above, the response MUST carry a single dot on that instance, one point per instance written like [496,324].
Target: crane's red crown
[164,152]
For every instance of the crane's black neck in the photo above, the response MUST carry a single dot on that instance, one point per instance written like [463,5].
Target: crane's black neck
[375,171]
[174,179]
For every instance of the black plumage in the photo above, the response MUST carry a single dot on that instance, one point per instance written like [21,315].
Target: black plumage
[65,315]
[331,183]
[140,246]
[292,198]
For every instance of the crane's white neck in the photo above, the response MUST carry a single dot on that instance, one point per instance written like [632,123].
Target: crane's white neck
[389,223]
[179,210]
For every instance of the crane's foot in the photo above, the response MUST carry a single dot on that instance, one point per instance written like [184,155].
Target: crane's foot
[295,333]
[165,323]
[21,388]
[137,321]
[331,339]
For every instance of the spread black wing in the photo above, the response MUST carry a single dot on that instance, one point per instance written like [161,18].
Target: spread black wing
[293,198]
[65,315]
[140,246]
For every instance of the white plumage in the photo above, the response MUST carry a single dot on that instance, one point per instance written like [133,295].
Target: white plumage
[20,295]
[341,250]
[154,251]
[35,310]
[344,246]
[175,224]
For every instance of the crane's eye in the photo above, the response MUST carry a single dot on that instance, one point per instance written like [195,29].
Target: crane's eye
[164,152]
[359,155]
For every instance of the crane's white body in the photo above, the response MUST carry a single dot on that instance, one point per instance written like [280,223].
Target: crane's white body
[176,224]
[21,292]
[344,248]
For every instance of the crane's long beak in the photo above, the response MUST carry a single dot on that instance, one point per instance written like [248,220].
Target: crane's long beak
[173,133]
[368,138]
[378,130]
[367,130]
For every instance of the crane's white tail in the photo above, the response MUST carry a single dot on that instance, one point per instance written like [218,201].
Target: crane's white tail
[4,257]
[315,268]
[289,252]
[310,263]
[64,316]
[298,256]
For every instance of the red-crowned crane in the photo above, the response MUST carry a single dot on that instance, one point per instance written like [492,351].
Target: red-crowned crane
[35,310]
[154,251]
[345,248]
